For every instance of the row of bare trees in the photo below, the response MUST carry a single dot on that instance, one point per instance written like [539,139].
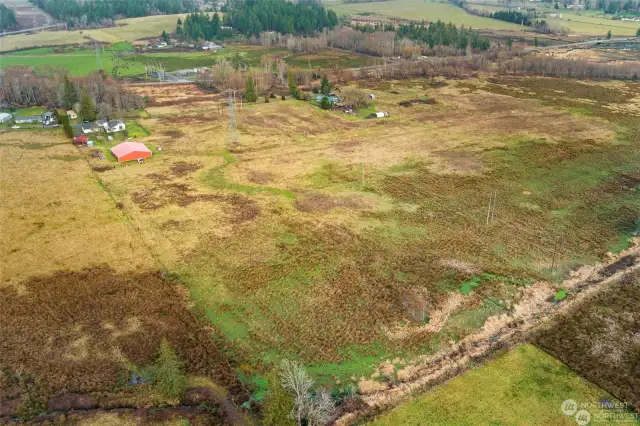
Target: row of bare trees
[24,86]
[381,43]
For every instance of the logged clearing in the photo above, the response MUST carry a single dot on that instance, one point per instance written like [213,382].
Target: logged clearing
[522,387]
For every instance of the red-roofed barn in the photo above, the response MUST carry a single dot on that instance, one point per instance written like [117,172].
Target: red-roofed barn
[128,151]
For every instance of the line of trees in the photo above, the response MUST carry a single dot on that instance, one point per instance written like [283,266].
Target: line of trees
[7,18]
[251,17]
[53,88]
[441,34]
[102,12]
[512,16]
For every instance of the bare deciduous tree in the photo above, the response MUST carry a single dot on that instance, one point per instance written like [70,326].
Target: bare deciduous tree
[296,380]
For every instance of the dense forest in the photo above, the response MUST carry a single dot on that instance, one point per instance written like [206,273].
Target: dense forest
[512,16]
[251,17]
[441,34]
[7,18]
[202,26]
[97,12]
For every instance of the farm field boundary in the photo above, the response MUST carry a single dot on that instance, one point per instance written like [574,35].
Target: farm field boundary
[498,336]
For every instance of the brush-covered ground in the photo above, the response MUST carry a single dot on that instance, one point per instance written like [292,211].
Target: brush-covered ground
[344,242]
[83,299]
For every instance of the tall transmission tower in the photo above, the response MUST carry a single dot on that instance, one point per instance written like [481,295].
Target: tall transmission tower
[233,134]
[98,57]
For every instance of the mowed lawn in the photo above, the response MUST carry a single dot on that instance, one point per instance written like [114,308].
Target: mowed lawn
[523,387]
[421,10]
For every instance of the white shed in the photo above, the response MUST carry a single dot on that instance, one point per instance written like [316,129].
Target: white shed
[5,118]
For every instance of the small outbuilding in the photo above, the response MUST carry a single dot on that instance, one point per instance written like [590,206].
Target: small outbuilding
[5,118]
[28,119]
[129,151]
[115,126]
[90,128]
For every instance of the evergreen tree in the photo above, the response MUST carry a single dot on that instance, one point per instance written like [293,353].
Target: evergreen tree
[325,86]
[609,35]
[66,126]
[250,94]
[638,33]
[237,62]
[165,36]
[87,108]
[69,96]
[324,103]
[535,41]
[278,404]
[293,87]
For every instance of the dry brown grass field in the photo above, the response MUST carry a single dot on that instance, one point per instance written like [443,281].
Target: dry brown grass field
[322,236]
[80,289]
[321,230]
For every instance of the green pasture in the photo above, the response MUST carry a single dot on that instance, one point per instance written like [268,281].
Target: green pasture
[525,386]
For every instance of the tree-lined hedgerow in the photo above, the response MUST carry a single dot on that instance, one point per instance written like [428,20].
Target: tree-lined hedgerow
[24,86]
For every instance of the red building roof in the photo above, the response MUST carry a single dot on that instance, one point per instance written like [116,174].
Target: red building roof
[127,151]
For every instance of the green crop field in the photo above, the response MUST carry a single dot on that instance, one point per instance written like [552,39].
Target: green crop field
[522,387]
[81,61]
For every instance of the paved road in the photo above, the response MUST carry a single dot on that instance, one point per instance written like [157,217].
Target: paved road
[30,30]
[583,43]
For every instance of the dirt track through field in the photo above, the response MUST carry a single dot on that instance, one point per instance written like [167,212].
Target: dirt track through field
[498,333]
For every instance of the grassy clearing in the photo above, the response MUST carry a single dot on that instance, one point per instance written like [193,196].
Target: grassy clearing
[421,10]
[592,25]
[531,393]
[83,317]
[329,59]
[81,61]
[320,276]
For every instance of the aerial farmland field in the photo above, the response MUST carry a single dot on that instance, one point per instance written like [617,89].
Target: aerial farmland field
[421,10]
[337,249]
[126,30]
[358,245]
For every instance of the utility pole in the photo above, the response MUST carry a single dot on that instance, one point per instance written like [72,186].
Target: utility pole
[556,253]
[233,135]
[493,197]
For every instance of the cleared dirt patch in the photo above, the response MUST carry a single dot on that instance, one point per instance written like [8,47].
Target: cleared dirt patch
[316,202]
[164,194]
[62,333]
[260,177]
[183,168]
